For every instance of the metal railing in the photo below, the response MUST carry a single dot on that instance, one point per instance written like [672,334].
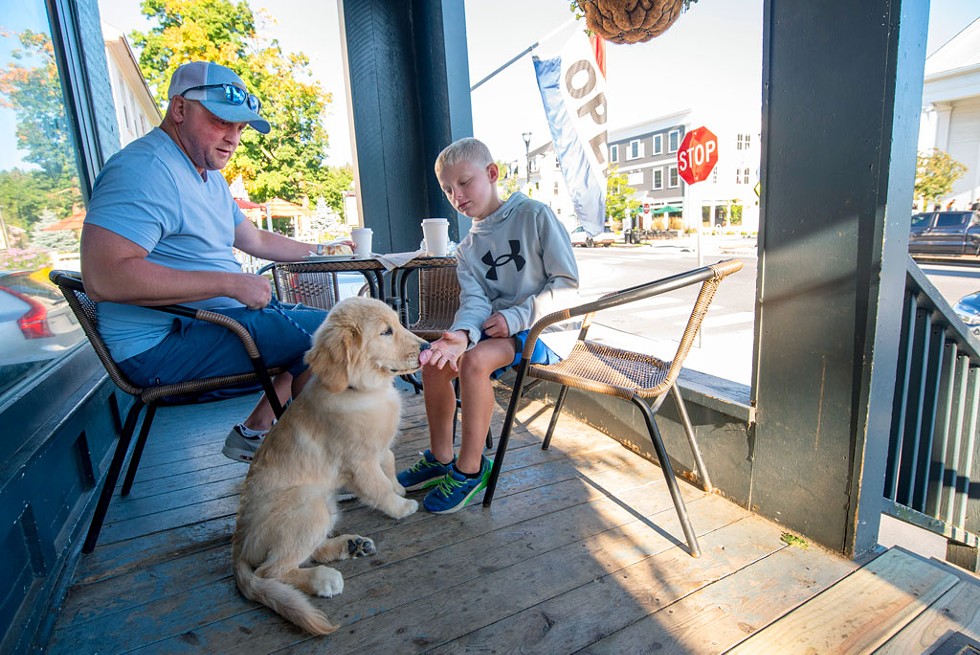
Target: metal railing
[932,461]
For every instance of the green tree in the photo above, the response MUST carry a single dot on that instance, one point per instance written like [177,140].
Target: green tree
[935,173]
[288,162]
[30,86]
[620,201]
[508,181]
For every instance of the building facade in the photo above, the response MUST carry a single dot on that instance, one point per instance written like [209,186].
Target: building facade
[950,119]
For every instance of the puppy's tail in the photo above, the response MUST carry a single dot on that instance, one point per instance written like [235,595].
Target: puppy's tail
[283,599]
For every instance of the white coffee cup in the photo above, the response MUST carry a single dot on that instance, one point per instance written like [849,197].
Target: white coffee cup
[362,236]
[435,231]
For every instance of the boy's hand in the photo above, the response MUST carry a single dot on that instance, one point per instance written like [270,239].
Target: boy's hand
[445,350]
[496,326]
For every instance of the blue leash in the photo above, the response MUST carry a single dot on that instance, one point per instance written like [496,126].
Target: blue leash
[277,307]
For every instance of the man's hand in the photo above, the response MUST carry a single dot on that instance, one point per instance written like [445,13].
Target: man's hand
[445,350]
[496,326]
[253,291]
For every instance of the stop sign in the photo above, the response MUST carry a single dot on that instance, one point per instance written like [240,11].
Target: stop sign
[697,155]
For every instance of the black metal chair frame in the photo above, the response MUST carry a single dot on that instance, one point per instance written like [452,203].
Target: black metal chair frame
[642,380]
[182,393]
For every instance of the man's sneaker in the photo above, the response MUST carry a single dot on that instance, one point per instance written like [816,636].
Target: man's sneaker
[424,473]
[239,447]
[456,490]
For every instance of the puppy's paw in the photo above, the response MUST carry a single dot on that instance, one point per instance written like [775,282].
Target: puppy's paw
[360,547]
[403,507]
[327,582]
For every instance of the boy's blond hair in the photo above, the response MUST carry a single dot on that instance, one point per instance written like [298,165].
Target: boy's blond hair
[465,149]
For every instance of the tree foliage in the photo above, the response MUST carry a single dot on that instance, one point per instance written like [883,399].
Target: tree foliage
[289,161]
[620,201]
[507,181]
[935,173]
[30,86]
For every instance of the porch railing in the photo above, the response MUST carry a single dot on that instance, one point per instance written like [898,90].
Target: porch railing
[932,464]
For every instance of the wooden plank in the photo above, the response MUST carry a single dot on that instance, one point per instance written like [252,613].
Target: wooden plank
[859,613]
[957,611]
[418,603]
[623,597]
[720,615]
[419,533]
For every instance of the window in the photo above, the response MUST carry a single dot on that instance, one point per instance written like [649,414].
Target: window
[658,144]
[41,204]
[741,176]
[673,180]
[614,153]
[744,141]
[634,178]
[673,140]
[658,178]
[635,149]
[714,174]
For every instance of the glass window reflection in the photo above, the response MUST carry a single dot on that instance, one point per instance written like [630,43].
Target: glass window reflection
[41,204]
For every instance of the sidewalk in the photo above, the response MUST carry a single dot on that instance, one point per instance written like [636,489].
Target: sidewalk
[722,244]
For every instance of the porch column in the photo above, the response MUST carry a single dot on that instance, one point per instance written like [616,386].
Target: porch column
[408,83]
[842,87]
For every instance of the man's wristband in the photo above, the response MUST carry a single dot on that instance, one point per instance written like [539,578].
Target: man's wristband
[319,248]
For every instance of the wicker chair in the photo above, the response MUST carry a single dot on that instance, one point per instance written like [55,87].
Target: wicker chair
[438,301]
[641,379]
[183,393]
[312,289]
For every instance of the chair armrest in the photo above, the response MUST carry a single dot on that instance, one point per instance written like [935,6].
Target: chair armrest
[625,296]
[213,317]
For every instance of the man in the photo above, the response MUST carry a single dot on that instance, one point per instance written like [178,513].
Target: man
[160,229]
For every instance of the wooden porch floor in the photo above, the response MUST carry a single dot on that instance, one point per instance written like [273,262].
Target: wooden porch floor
[581,552]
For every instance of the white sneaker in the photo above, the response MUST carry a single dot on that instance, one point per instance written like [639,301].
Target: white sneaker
[239,447]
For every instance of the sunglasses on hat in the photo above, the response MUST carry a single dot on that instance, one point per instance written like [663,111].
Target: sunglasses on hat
[234,95]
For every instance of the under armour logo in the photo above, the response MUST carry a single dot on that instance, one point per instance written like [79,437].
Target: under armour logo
[512,256]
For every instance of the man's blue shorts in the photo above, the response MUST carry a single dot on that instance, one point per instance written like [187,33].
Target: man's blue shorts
[541,354]
[197,349]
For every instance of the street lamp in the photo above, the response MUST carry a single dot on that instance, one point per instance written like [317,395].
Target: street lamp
[527,154]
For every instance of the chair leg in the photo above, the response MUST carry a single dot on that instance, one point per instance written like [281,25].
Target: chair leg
[112,475]
[498,459]
[459,406]
[668,470]
[554,416]
[134,461]
[689,431]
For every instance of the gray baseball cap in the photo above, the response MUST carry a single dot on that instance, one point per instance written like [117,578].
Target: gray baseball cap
[220,91]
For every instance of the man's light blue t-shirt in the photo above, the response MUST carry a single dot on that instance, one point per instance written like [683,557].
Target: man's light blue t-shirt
[151,194]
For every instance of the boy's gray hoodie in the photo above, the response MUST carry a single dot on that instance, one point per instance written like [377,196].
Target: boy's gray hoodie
[517,261]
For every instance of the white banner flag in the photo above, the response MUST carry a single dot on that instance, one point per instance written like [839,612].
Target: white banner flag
[573,92]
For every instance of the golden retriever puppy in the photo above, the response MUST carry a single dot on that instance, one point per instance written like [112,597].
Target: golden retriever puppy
[337,432]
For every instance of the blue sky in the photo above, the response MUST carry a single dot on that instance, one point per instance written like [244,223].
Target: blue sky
[712,54]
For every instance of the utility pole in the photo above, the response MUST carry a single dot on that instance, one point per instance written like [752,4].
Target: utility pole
[527,155]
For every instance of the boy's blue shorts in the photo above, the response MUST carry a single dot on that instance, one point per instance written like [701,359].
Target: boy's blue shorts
[542,354]
[197,349]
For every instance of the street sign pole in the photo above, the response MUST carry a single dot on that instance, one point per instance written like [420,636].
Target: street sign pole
[697,155]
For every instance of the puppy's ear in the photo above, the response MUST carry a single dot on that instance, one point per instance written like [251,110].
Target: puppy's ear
[328,358]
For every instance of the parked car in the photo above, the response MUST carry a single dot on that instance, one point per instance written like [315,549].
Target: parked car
[36,323]
[945,233]
[968,309]
[580,237]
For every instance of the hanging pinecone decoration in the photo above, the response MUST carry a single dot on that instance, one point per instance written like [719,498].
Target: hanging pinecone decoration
[630,21]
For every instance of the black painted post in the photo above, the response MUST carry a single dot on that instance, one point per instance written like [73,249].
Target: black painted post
[842,86]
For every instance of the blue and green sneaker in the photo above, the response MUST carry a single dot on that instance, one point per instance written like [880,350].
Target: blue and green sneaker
[424,473]
[456,490]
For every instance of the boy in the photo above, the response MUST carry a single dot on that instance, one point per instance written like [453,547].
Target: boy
[515,266]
